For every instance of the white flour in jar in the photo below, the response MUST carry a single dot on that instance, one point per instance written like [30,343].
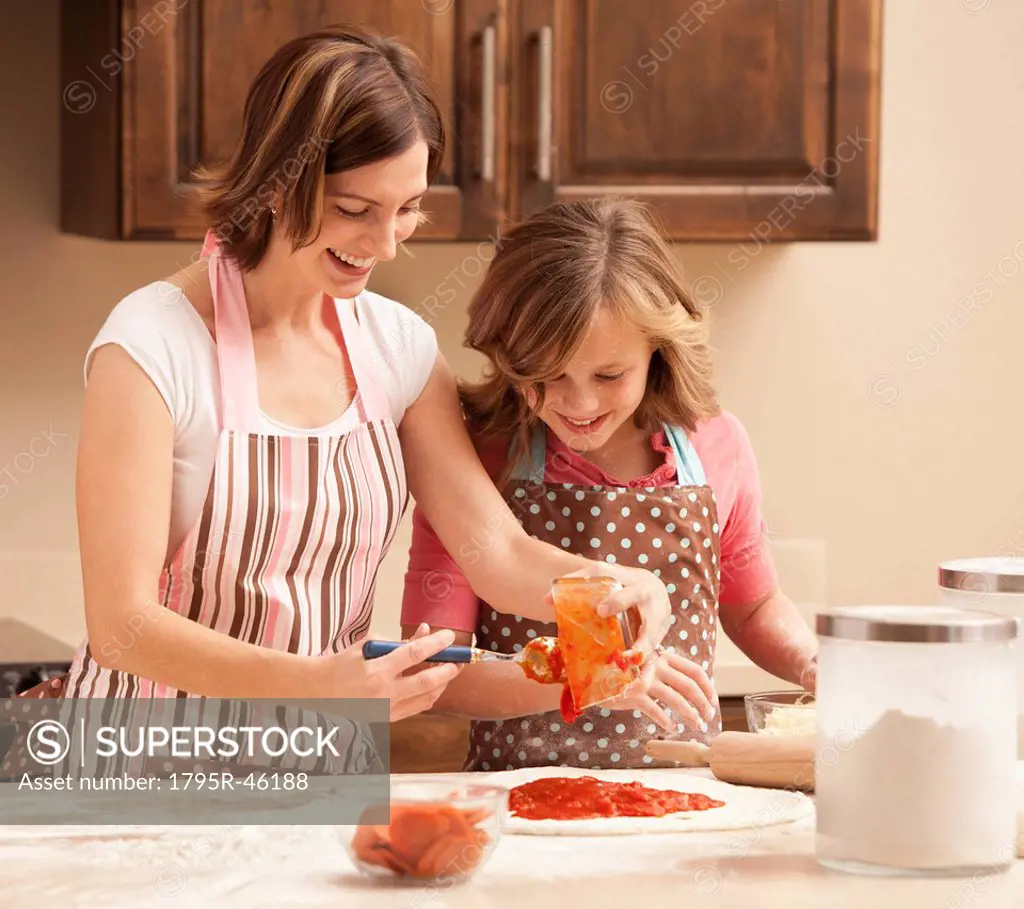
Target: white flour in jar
[913,794]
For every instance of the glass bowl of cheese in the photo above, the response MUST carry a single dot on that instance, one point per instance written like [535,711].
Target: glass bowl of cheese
[781,712]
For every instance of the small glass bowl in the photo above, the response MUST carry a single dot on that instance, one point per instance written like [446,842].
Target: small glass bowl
[798,707]
[440,831]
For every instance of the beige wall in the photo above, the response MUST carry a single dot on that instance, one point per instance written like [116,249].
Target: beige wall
[885,476]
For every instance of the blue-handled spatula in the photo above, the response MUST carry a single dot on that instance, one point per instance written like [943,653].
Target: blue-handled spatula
[535,659]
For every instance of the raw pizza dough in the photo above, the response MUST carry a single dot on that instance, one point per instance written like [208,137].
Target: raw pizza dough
[745,808]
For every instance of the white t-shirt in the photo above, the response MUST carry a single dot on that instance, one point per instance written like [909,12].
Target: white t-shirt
[159,328]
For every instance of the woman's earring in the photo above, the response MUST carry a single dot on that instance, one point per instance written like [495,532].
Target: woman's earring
[273,212]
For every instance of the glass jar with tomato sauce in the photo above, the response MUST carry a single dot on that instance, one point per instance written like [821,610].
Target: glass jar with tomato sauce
[594,649]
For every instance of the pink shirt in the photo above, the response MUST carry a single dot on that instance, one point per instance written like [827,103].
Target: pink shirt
[436,591]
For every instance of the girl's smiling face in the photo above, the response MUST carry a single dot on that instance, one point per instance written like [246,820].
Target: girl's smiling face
[594,399]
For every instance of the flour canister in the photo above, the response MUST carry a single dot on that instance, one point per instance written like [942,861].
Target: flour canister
[916,740]
[993,584]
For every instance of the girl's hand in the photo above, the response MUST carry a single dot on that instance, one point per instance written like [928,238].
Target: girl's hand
[679,684]
[809,674]
[400,675]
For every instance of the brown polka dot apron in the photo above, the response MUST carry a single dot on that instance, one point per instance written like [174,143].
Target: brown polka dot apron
[670,530]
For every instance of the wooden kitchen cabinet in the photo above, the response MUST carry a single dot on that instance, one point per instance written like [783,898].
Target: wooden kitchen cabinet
[158,86]
[736,119]
[733,118]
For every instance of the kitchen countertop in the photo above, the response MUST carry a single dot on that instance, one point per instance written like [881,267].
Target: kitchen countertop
[22,643]
[736,678]
[767,867]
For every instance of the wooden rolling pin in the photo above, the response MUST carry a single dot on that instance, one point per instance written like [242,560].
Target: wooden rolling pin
[747,758]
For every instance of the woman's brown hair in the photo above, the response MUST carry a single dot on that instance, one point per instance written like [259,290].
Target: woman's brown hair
[326,102]
[549,276]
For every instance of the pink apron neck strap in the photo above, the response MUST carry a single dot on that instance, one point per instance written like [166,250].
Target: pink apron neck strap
[370,394]
[236,357]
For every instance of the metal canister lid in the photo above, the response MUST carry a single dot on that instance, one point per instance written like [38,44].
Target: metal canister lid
[915,625]
[996,574]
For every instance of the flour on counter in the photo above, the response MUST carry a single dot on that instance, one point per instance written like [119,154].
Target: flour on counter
[914,794]
[113,845]
[175,867]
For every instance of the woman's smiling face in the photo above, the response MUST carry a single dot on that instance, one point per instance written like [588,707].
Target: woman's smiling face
[367,213]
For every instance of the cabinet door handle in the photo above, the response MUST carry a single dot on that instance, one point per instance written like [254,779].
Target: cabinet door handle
[487,106]
[193,78]
[544,112]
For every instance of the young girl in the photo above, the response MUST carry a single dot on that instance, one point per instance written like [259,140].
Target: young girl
[597,418]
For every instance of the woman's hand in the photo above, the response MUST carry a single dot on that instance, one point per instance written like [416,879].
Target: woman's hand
[400,675]
[678,684]
[646,593]
[641,590]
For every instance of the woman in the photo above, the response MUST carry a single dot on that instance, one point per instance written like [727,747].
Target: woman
[252,430]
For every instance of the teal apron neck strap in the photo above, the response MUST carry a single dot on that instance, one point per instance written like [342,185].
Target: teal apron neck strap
[531,466]
[689,470]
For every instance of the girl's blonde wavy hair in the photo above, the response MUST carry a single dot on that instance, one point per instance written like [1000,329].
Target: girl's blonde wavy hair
[550,275]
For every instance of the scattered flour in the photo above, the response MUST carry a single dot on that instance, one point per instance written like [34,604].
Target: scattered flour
[174,867]
[190,846]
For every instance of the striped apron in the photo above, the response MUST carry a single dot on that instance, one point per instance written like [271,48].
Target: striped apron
[286,551]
